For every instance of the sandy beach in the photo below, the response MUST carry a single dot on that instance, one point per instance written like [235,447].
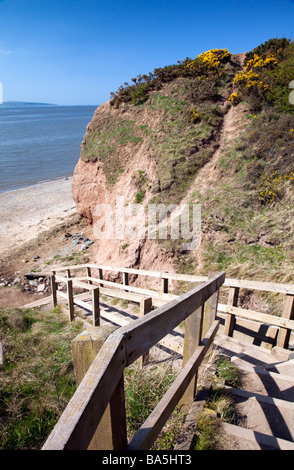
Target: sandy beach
[27,212]
[33,222]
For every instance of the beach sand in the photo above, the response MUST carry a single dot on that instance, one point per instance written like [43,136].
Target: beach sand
[27,212]
[33,221]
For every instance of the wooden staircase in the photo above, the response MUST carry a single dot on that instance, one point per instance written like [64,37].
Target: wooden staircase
[265,405]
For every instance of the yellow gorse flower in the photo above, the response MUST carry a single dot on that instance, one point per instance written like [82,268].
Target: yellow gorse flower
[251,77]
[210,61]
[197,115]
[258,63]
[271,185]
[235,98]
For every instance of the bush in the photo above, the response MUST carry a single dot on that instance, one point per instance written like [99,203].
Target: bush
[269,68]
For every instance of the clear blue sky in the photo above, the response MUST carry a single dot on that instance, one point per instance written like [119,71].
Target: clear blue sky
[77,52]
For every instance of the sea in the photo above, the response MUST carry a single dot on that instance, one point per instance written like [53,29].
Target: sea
[40,143]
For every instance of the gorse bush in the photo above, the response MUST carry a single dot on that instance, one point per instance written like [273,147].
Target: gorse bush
[235,98]
[207,66]
[272,186]
[197,115]
[269,68]
[210,62]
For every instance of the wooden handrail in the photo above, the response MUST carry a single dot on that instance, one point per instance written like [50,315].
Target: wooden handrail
[234,286]
[79,282]
[275,287]
[257,316]
[79,420]
[146,435]
[261,286]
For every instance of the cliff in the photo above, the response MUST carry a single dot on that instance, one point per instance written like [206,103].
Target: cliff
[188,134]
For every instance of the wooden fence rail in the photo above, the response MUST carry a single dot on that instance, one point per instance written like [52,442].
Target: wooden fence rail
[162,296]
[101,391]
[102,385]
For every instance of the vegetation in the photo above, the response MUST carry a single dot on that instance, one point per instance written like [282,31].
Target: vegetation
[209,66]
[272,64]
[219,408]
[37,378]
[247,217]
[228,371]
[144,388]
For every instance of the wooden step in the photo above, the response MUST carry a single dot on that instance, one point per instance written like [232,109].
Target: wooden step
[264,414]
[254,355]
[265,382]
[252,440]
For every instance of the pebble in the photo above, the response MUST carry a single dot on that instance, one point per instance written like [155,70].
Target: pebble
[36,257]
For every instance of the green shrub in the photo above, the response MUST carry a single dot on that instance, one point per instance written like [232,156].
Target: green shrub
[269,68]
[140,95]
[140,196]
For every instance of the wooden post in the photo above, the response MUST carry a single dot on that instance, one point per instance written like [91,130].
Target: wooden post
[164,286]
[100,273]
[96,307]
[210,310]
[111,432]
[230,319]
[284,333]
[70,300]
[193,333]
[145,307]
[68,273]
[125,279]
[53,289]
[89,274]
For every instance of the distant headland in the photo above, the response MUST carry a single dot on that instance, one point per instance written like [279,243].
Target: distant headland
[24,103]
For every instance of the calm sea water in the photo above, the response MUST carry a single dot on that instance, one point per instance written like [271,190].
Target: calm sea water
[40,143]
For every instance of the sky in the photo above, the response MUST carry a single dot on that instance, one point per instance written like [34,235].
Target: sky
[74,52]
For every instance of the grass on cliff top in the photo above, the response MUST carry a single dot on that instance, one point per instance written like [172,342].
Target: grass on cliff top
[104,144]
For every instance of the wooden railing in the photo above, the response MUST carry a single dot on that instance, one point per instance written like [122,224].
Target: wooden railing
[101,391]
[284,323]
[158,298]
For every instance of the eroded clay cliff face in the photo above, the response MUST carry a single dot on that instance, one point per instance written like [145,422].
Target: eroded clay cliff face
[102,181]
[146,153]
[186,136]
